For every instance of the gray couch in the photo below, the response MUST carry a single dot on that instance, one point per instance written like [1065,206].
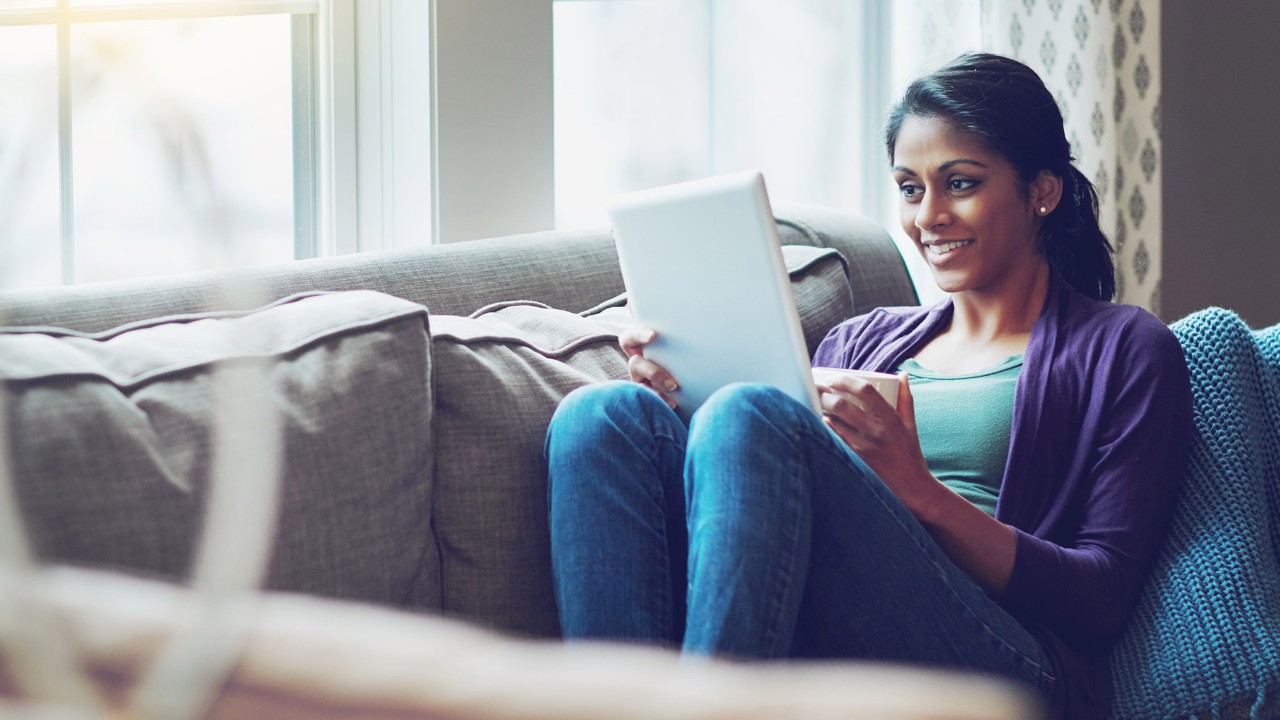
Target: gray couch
[413,390]
[412,416]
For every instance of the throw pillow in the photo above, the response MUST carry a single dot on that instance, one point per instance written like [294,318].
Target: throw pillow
[110,437]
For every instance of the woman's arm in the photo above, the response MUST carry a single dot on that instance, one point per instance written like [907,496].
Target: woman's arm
[888,442]
[1084,567]
[1128,461]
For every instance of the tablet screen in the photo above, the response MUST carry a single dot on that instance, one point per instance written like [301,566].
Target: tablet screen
[703,268]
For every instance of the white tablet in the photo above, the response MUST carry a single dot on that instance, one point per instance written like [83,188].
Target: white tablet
[703,268]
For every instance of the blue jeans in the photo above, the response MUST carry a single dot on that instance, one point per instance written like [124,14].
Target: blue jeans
[754,532]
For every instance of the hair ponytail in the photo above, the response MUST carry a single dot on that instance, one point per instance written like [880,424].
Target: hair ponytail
[1006,106]
[1073,242]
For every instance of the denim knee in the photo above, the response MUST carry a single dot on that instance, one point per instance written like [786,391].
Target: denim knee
[605,397]
[743,402]
[620,401]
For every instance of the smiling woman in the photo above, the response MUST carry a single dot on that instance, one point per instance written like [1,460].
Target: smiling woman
[974,220]
[964,107]
[1001,520]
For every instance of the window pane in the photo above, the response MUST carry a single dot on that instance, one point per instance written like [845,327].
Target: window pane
[29,255]
[183,145]
[789,98]
[631,92]
[656,92]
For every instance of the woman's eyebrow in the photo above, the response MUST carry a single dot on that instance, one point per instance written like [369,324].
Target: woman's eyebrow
[960,161]
[944,166]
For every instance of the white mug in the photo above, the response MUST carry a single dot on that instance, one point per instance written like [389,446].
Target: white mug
[884,383]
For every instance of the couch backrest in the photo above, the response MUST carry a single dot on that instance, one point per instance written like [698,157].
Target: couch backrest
[568,269]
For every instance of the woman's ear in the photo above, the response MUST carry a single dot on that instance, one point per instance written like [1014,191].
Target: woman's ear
[1045,192]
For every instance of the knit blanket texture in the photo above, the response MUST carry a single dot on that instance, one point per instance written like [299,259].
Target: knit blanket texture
[1203,642]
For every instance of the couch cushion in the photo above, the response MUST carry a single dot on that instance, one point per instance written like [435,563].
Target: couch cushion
[111,437]
[497,378]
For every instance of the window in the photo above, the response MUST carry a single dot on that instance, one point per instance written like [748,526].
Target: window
[153,137]
[148,136]
[649,93]
[160,136]
[657,92]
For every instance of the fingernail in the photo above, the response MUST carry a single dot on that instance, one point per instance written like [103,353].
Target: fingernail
[670,385]
[647,335]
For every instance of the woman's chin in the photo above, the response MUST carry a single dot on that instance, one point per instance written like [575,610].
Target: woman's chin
[948,282]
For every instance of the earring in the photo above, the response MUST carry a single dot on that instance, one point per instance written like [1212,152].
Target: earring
[1044,210]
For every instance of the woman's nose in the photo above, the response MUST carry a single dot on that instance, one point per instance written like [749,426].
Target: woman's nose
[933,211]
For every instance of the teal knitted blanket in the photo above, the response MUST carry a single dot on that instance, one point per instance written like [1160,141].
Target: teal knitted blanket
[1205,639]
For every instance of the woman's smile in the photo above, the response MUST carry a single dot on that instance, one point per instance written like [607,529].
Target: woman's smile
[945,247]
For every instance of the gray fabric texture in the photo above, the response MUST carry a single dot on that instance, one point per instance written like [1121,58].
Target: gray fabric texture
[821,290]
[568,269]
[878,276]
[497,379]
[111,441]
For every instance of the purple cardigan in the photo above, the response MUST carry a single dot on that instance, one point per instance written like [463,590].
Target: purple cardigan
[1101,428]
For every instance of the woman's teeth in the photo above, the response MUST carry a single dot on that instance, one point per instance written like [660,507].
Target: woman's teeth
[944,248]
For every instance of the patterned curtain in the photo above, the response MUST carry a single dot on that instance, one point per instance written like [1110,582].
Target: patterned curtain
[1101,59]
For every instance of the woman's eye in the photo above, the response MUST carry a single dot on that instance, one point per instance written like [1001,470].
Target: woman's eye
[961,184]
[910,190]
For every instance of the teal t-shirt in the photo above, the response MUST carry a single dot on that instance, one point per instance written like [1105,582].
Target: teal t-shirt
[964,423]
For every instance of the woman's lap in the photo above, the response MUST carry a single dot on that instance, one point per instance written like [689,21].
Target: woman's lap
[794,547]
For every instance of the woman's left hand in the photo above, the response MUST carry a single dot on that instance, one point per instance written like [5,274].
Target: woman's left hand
[885,439]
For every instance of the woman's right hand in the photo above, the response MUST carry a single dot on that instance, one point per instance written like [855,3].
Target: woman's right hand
[643,370]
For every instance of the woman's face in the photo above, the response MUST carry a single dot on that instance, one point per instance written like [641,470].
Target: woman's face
[964,208]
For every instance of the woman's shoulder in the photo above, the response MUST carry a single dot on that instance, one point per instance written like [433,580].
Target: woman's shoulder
[890,317]
[854,342]
[1127,333]
[1120,321]
[882,323]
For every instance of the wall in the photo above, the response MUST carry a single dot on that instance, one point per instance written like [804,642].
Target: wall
[1221,132]
[493,118]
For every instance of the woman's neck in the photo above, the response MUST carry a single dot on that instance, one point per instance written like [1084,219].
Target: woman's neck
[1010,311]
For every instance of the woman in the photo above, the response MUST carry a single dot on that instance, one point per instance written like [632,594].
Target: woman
[1002,519]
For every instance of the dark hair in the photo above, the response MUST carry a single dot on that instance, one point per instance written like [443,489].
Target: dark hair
[1006,105]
